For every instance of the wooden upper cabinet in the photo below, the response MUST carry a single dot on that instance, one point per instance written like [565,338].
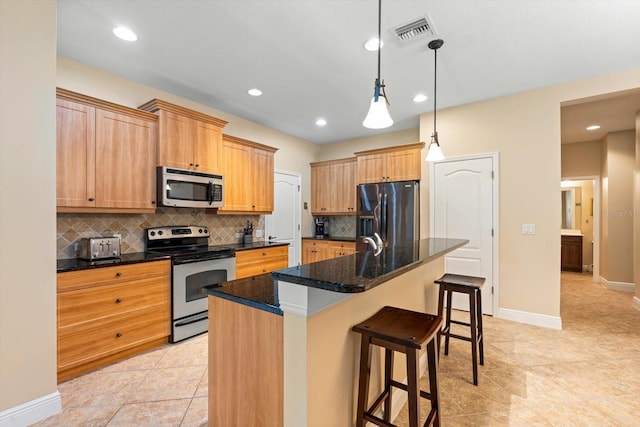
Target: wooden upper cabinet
[104,156]
[333,187]
[401,163]
[188,139]
[75,154]
[125,166]
[248,176]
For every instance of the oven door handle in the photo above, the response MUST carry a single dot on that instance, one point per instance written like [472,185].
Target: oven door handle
[191,320]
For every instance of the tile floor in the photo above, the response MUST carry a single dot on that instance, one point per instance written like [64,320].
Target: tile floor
[588,374]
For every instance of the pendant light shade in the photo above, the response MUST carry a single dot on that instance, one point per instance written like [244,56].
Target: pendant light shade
[434,152]
[378,116]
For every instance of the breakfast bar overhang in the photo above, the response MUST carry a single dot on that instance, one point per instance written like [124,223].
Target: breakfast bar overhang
[281,349]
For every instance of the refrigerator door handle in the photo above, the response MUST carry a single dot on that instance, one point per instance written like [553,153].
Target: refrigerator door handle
[383,225]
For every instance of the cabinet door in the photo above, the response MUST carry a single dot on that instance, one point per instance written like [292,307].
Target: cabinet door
[262,180]
[125,149]
[177,137]
[207,147]
[320,189]
[345,193]
[237,176]
[403,165]
[371,168]
[75,154]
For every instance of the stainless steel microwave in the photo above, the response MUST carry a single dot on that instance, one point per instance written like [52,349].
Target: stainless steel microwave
[189,189]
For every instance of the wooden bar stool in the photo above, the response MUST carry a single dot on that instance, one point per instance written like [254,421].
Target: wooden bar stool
[472,286]
[396,329]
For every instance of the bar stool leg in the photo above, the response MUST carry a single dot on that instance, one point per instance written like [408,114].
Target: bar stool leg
[388,376]
[473,314]
[432,355]
[363,384]
[447,326]
[413,387]
[440,312]
[480,331]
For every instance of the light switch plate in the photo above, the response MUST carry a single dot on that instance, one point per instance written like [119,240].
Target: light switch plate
[528,229]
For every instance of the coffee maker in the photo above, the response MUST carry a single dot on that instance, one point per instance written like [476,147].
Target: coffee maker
[322,227]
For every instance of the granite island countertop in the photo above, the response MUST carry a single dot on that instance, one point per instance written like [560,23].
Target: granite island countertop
[347,274]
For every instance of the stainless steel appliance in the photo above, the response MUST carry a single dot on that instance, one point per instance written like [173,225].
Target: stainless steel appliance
[92,248]
[189,189]
[391,209]
[196,266]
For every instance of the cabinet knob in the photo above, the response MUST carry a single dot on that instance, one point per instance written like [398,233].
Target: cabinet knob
[264,254]
[197,165]
[264,270]
[118,274]
[118,334]
[190,164]
[153,202]
[91,199]
[118,300]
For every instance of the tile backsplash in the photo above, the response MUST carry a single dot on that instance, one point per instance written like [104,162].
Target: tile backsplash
[72,227]
[342,225]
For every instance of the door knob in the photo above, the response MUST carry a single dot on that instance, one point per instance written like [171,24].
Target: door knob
[272,237]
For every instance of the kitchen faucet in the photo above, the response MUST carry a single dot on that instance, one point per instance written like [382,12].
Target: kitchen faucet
[376,244]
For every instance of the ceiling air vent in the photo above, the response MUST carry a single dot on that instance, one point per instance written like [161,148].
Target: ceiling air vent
[422,26]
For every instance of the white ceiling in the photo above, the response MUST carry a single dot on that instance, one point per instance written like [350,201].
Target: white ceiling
[307,56]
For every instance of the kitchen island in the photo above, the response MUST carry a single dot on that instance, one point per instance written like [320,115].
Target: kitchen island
[281,349]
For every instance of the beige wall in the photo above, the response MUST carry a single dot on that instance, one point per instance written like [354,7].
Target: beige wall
[293,154]
[525,130]
[616,254]
[345,149]
[636,216]
[580,159]
[27,201]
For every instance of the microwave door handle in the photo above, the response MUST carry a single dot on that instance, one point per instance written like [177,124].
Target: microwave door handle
[210,193]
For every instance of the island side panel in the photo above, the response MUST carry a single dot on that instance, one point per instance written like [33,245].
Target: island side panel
[245,365]
[332,349]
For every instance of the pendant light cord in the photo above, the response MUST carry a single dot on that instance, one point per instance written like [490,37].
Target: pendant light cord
[435,93]
[379,35]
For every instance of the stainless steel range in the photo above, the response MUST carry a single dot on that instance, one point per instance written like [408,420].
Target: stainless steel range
[196,266]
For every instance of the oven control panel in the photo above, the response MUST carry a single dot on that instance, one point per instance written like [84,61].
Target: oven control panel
[176,232]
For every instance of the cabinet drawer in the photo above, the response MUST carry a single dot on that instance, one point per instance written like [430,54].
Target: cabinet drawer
[96,276]
[111,335]
[258,261]
[88,304]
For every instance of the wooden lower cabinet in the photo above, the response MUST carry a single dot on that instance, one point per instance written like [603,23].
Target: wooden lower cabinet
[258,261]
[246,380]
[320,250]
[106,314]
[571,253]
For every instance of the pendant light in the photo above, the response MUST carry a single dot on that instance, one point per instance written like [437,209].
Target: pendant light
[378,116]
[434,153]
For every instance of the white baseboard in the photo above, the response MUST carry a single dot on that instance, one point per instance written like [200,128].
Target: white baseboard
[636,302]
[618,286]
[552,322]
[32,412]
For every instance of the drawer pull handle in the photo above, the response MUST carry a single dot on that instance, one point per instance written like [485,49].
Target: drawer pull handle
[118,274]
[264,254]
[118,300]
[118,335]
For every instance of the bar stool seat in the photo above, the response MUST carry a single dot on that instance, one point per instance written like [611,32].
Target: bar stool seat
[396,329]
[472,286]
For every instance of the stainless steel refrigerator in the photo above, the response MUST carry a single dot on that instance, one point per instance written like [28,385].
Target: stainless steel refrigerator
[390,209]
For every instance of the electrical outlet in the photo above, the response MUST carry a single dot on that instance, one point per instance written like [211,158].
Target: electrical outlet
[528,229]
[238,235]
[258,233]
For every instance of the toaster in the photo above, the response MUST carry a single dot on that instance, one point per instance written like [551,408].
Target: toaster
[92,248]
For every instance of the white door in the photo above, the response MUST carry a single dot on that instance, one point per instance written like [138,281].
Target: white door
[462,206]
[284,224]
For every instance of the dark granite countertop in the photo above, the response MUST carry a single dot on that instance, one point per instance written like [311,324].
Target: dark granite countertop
[335,238]
[362,271]
[260,292]
[72,264]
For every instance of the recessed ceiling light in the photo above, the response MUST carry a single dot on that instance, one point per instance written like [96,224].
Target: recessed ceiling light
[593,127]
[372,44]
[420,97]
[254,92]
[125,34]
[321,122]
